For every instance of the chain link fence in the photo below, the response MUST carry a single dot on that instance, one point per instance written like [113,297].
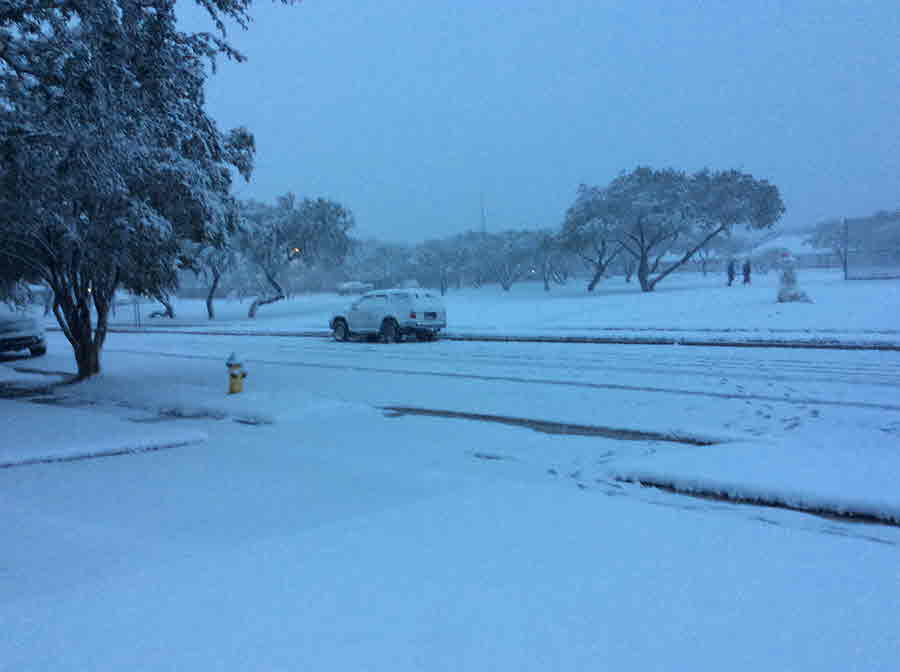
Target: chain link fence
[873,247]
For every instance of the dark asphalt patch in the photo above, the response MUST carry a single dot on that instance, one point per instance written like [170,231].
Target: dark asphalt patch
[549,427]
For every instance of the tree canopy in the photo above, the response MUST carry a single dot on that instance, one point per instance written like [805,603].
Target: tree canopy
[107,156]
[651,214]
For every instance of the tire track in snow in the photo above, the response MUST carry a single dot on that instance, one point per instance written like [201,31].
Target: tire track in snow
[745,370]
[781,370]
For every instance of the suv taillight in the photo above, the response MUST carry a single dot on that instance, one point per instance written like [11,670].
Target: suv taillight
[412,315]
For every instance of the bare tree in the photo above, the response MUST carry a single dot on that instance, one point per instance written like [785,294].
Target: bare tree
[510,255]
[211,260]
[548,258]
[591,231]
[273,239]
[832,234]
[436,261]
[383,264]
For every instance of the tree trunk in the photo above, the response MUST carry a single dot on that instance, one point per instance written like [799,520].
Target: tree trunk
[74,318]
[210,309]
[643,273]
[262,301]
[687,256]
[168,309]
[595,279]
[87,355]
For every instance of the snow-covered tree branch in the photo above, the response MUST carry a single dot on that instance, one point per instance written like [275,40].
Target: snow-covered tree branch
[652,213]
[109,159]
[276,238]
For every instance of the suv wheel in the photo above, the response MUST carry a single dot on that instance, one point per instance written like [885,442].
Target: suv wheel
[340,331]
[390,331]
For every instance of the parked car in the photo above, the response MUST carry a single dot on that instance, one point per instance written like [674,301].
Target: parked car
[392,314]
[21,331]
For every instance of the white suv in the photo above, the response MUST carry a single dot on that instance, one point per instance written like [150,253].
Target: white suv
[392,314]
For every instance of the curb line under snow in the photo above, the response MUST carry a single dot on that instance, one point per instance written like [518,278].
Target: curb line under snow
[813,344]
[719,495]
[677,340]
[114,452]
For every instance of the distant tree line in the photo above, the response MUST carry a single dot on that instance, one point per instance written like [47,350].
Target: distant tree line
[647,223]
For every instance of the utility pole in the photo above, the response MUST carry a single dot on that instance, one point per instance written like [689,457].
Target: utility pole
[846,246]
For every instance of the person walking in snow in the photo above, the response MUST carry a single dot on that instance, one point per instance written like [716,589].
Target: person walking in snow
[746,270]
[731,271]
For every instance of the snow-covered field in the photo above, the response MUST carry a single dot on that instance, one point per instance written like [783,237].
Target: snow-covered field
[300,525]
[686,304]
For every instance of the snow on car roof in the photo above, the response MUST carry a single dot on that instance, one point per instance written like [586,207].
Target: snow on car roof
[401,292]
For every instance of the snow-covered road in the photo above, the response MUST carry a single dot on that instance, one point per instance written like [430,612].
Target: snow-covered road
[534,375]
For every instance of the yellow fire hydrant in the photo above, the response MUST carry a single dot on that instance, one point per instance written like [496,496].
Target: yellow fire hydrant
[236,375]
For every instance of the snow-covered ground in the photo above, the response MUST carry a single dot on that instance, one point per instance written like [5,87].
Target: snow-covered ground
[299,525]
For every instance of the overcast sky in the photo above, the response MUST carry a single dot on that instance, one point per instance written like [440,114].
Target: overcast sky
[406,111]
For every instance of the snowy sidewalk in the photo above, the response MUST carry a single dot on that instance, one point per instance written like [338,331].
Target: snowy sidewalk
[853,475]
[36,433]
